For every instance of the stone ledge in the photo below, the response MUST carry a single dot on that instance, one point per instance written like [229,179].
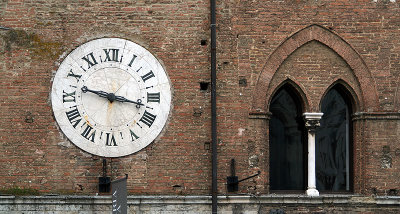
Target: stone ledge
[388,200]
[376,116]
[186,200]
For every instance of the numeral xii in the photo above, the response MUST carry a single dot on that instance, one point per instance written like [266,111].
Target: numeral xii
[111,54]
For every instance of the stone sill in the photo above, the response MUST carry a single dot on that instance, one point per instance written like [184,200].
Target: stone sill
[186,200]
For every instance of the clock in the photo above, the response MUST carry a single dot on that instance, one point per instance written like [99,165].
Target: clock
[111,97]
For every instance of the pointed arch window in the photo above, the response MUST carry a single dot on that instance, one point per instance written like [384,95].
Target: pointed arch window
[334,142]
[287,147]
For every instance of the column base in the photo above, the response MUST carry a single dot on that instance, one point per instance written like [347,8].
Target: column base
[312,192]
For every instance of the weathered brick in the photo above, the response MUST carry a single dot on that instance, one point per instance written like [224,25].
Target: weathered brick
[313,44]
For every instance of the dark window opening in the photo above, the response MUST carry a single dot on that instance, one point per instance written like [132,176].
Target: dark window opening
[287,147]
[334,143]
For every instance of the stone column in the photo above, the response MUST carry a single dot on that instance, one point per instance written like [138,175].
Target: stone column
[312,122]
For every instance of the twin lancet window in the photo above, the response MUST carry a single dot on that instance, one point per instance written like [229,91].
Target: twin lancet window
[294,135]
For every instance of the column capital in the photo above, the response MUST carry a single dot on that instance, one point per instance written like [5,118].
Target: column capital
[312,120]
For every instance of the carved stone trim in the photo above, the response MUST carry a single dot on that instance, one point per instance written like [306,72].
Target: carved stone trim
[312,120]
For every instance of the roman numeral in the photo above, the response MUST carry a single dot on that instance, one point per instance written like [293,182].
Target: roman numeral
[153,97]
[148,118]
[68,97]
[133,135]
[72,115]
[91,61]
[133,59]
[113,56]
[110,140]
[147,76]
[88,134]
[71,74]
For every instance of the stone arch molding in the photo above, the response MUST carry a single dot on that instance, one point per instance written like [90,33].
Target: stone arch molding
[352,95]
[368,99]
[298,90]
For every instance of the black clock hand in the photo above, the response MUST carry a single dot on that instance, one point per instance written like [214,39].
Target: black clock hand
[123,99]
[109,96]
[100,93]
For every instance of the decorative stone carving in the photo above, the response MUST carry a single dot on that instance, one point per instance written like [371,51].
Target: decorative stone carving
[312,120]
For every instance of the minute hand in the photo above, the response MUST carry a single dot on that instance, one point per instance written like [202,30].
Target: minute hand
[100,93]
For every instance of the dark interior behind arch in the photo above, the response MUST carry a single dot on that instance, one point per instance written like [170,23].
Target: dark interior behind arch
[287,147]
[334,142]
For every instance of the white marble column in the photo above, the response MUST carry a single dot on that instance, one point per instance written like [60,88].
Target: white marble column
[312,122]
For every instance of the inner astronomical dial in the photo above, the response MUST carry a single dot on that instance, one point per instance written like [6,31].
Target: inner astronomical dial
[100,96]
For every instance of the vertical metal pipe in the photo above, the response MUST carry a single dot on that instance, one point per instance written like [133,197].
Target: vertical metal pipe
[214,106]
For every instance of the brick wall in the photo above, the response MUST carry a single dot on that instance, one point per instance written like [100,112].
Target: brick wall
[260,44]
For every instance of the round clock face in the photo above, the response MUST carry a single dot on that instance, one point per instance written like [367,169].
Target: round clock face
[111,97]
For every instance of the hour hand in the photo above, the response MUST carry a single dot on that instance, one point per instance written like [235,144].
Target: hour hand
[100,93]
[123,99]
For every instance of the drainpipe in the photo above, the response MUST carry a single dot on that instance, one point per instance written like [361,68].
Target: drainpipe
[214,107]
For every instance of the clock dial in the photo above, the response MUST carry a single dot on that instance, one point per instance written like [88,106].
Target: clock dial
[111,97]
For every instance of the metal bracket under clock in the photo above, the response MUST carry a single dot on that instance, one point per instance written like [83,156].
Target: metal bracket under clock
[104,181]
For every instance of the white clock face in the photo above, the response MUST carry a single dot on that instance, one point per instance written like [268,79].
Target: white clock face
[111,97]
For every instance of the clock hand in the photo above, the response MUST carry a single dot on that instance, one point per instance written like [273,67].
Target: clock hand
[100,93]
[109,96]
[123,99]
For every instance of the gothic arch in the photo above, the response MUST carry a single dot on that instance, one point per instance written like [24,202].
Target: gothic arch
[296,88]
[349,93]
[369,99]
